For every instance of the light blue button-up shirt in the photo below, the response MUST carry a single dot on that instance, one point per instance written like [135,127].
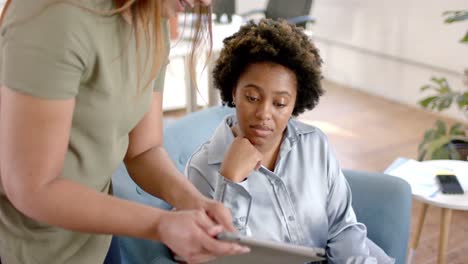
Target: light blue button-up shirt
[306,200]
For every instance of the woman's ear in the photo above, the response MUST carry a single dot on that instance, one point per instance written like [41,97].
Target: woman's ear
[234,96]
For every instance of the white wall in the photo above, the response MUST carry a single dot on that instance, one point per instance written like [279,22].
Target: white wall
[243,6]
[388,48]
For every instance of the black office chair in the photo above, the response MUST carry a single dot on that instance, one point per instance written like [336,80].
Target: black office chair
[296,12]
[224,8]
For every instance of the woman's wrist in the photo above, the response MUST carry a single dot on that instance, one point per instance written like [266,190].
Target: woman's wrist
[154,228]
[149,225]
[188,198]
[233,178]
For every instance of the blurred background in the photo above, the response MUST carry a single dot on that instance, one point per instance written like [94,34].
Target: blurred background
[395,75]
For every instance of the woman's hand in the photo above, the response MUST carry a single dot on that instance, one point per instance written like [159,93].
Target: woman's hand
[240,160]
[190,234]
[218,213]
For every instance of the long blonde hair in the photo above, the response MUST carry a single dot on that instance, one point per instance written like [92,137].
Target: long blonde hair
[146,22]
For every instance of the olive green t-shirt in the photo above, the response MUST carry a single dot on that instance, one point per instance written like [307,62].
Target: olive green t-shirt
[63,52]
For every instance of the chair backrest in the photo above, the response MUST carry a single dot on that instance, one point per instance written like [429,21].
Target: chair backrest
[287,9]
[383,204]
[224,7]
[184,136]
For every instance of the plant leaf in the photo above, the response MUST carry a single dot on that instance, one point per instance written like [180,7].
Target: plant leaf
[462,101]
[421,155]
[455,16]
[428,136]
[435,145]
[426,87]
[445,103]
[441,129]
[465,38]
[438,81]
[426,101]
[457,130]
[441,153]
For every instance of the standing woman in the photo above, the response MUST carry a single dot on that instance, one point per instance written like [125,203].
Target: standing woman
[81,90]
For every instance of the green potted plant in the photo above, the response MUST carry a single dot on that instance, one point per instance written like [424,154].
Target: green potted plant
[443,142]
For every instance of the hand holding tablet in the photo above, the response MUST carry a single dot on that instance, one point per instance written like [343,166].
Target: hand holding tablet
[271,252]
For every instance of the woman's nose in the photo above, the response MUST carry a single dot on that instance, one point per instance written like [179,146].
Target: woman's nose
[263,111]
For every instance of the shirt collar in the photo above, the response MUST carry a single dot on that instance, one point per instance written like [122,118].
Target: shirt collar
[223,138]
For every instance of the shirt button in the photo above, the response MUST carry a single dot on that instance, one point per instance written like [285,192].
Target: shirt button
[291,218]
[182,160]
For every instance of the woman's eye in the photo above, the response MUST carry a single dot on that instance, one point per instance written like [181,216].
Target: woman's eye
[251,98]
[280,105]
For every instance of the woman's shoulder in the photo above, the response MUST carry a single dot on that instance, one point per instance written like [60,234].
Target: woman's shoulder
[18,11]
[50,17]
[56,28]
[212,151]
[199,156]
[307,130]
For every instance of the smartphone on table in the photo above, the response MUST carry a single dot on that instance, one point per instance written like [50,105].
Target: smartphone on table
[449,184]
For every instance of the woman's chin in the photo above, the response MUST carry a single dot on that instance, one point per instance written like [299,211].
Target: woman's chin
[258,142]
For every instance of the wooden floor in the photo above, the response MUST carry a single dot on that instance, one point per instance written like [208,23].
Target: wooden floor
[368,133]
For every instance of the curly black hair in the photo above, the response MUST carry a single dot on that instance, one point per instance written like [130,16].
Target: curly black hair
[271,41]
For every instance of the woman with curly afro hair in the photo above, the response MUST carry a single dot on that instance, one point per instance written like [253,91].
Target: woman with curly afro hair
[279,177]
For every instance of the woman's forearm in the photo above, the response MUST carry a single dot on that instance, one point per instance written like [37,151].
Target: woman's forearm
[76,207]
[155,173]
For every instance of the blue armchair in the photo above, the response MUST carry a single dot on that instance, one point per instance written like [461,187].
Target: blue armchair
[381,202]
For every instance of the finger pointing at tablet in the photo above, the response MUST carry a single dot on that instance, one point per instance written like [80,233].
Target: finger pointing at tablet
[189,234]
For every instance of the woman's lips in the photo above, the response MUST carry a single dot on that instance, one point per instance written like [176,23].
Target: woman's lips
[261,131]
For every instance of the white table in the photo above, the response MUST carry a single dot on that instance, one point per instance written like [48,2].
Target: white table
[446,202]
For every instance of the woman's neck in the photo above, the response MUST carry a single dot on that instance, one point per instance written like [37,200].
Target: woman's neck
[269,159]
[270,154]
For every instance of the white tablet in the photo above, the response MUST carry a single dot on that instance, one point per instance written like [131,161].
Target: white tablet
[271,252]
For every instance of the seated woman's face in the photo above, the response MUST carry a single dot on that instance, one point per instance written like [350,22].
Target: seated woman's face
[265,96]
